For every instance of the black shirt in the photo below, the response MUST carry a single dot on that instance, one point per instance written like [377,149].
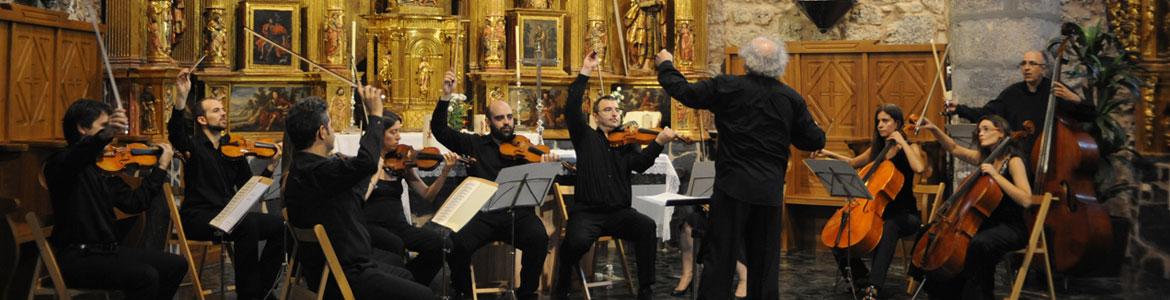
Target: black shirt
[1008,212]
[212,178]
[483,148]
[758,118]
[1017,104]
[904,202]
[384,207]
[330,191]
[83,196]
[603,172]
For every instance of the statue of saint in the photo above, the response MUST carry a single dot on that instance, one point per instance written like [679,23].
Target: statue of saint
[424,79]
[643,38]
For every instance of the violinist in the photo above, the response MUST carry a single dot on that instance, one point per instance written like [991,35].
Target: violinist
[486,227]
[1004,230]
[212,179]
[84,198]
[604,192]
[387,217]
[901,216]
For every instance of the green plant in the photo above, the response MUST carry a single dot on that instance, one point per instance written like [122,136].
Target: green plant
[1111,80]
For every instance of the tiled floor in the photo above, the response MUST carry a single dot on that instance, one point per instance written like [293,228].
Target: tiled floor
[811,275]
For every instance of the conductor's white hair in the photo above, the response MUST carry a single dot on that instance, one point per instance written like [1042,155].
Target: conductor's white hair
[764,56]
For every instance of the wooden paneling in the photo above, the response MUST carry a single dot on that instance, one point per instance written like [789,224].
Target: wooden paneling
[843,82]
[31,82]
[78,71]
[5,33]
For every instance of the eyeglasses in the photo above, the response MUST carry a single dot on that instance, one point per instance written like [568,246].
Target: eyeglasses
[1028,63]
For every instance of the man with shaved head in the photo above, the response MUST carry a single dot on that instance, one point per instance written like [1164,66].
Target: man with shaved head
[491,226]
[758,117]
[1027,100]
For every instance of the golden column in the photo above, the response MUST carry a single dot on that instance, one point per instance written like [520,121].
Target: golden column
[215,33]
[493,35]
[595,35]
[158,32]
[684,32]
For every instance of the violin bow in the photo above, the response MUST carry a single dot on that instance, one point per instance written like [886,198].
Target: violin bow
[302,58]
[937,80]
[109,70]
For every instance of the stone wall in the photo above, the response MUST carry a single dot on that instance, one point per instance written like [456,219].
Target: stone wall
[732,22]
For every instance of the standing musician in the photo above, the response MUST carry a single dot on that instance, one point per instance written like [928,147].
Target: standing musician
[758,117]
[83,199]
[604,191]
[1027,100]
[328,190]
[486,227]
[1004,230]
[386,216]
[212,179]
[901,216]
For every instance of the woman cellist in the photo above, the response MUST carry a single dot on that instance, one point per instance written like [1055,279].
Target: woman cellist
[1004,230]
[386,217]
[901,216]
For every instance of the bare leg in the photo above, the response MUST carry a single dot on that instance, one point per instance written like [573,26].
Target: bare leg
[741,288]
[686,244]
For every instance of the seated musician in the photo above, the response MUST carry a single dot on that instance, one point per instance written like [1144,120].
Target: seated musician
[486,227]
[212,180]
[901,216]
[84,197]
[1004,230]
[386,217]
[604,191]
[325,189]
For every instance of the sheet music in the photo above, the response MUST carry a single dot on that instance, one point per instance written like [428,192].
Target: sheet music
[663,198]
[244,199]
[464,203]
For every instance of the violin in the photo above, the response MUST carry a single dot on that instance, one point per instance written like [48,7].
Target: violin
[521,148]
[404,157]
[115,158]
[237,147]
[942,251]
[639,136]
[864,223]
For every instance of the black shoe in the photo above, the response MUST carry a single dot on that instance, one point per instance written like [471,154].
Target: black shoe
[682,293]
[645,293]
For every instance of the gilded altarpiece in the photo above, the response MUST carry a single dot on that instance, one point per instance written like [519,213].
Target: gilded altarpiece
[1144,28]
[412,52]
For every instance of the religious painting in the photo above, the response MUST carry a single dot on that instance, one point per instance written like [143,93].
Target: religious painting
[523,101]
[643,98]
[541,40]
[278,23]
[262,108]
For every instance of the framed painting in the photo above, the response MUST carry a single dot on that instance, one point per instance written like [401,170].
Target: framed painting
[262,108]
[643,98]
[279,22]
[541,39]
[523,101]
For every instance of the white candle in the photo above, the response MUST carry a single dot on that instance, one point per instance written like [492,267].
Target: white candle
[517,29]
[353,41]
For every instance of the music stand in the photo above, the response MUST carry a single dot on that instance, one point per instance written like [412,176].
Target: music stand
[521,186]
[841,180]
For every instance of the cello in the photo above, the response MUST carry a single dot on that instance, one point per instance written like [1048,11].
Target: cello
[1078,228]
[941,252]
[857,226]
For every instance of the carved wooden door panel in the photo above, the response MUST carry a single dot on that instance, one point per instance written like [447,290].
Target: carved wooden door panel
[30,84]
[78,72]
[832,86]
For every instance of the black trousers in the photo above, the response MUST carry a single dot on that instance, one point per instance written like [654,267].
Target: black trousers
[256,271]
[977,280]
[380,278]
[428,244]
[583,230]
[488,227]
[753,228]
[140,274]
[897,225]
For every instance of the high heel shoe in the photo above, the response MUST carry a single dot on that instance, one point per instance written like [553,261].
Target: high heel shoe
[682,293]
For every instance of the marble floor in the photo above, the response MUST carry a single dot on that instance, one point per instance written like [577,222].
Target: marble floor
[810,274]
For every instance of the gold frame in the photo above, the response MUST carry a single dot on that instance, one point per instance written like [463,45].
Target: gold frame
[248,41]
[520,19]
[220,85]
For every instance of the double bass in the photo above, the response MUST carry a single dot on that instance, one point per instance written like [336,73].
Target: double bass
[942,251]
[1066,156]
[860,232]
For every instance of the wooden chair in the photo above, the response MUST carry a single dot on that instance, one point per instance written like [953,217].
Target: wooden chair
[184,245]
[1037,245]
[9,246]
[295,286]
[48,262]
[179,238]
[561,192]
[332,267]
[929,197]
